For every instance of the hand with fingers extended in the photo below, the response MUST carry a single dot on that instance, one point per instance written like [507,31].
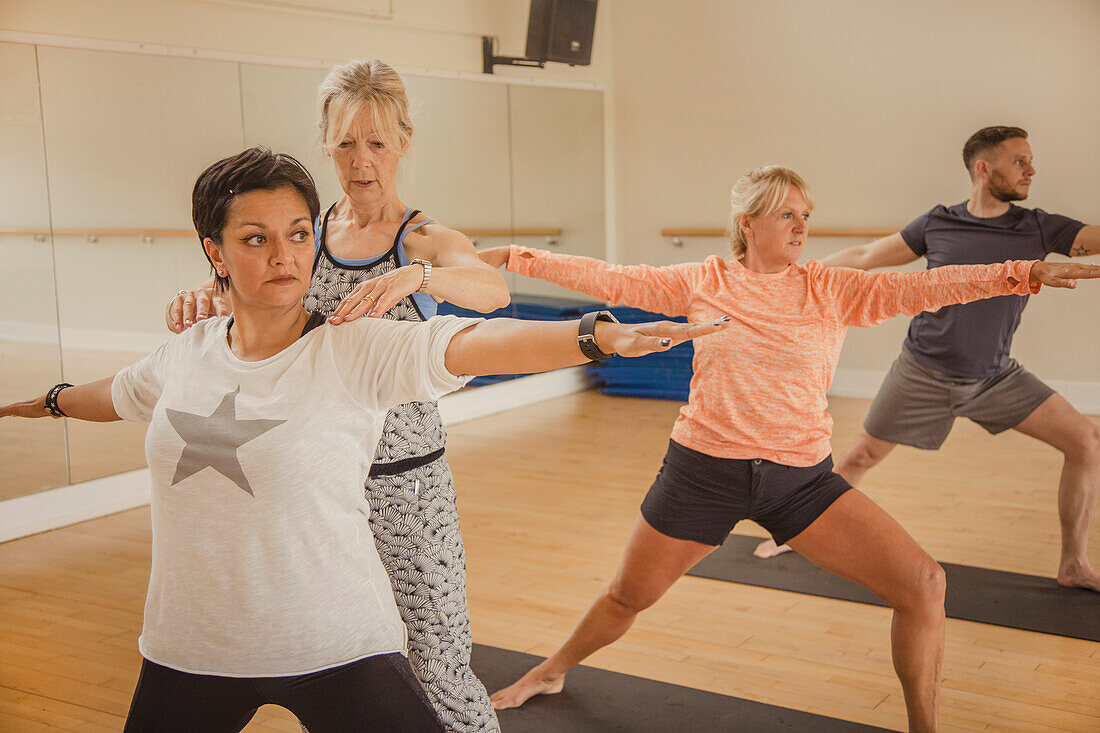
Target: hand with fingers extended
[29,408]
[1062,274]
[376,296]
[188,307]
[494,256]
[639,339]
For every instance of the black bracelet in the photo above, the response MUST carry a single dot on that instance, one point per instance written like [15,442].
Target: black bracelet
[586,334]
[51,400]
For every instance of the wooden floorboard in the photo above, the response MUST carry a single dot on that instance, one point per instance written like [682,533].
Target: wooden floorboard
[548,494]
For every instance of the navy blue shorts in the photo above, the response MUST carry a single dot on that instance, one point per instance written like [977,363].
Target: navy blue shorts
[701,498]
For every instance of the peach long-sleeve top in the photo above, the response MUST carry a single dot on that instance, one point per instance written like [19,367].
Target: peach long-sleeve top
[759,386]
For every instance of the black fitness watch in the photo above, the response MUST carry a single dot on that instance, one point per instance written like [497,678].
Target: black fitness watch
[586,334]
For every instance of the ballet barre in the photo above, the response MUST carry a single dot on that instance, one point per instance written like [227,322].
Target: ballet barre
[149,235]
[678,233]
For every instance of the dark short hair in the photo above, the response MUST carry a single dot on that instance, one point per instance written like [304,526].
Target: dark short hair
[255,169]
[986,139]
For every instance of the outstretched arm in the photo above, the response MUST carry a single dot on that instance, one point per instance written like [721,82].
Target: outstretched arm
[385,363]
[890,251]
[866,299]
[1087,242]
[667,290]
[510,346]
[90,401]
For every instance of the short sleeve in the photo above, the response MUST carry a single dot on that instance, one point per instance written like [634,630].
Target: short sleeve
[137,388]
[1058,232]
[383,363]
[913,234]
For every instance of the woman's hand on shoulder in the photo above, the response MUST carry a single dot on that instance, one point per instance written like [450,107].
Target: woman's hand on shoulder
[188,307]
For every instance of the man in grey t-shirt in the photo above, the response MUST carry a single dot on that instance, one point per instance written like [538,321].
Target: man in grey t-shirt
[955,361]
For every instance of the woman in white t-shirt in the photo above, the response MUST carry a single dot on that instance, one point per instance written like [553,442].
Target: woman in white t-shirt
[402,263]
[261,432]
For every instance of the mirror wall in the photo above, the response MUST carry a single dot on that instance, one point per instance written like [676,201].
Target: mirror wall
[557,174]
[100,150]
[32,454]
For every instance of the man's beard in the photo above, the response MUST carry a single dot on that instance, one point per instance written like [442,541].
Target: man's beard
[1001,192]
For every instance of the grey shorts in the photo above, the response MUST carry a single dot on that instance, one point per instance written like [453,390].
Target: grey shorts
[917,406]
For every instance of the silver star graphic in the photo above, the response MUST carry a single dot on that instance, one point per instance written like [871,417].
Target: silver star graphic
[213,440]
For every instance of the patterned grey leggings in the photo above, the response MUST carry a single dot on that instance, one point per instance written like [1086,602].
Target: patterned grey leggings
[415,525]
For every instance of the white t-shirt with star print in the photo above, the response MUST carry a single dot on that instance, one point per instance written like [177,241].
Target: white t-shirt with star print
[263,560]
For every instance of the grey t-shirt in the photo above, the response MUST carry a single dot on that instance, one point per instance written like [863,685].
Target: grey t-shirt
[263,559]
[972,340]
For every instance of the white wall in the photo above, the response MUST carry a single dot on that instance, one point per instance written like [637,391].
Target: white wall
[871,100]
[428,34]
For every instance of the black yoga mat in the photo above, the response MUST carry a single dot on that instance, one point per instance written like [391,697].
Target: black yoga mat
[1018,601]
[597,701]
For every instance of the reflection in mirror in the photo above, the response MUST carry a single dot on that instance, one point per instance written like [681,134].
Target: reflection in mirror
[125,135]
[32,453]
[120,138]
[279,107]
[458,169]
[557,174]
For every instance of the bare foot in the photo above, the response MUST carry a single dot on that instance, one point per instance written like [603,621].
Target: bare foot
[1072,575]
[768,548]
[535,682]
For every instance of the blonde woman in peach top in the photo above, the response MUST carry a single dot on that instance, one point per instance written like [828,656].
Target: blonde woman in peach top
[753,440]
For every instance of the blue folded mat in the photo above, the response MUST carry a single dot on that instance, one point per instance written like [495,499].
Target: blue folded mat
[664,376]
[528,307]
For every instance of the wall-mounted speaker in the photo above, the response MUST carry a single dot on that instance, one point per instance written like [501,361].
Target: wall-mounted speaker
[561,30]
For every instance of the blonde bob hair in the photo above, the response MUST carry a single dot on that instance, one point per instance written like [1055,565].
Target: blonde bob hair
[372,84]
[760,192]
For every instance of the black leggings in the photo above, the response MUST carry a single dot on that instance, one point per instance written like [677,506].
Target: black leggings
[378,693]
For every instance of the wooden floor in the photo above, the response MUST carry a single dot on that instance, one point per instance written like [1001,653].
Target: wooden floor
[547,495]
